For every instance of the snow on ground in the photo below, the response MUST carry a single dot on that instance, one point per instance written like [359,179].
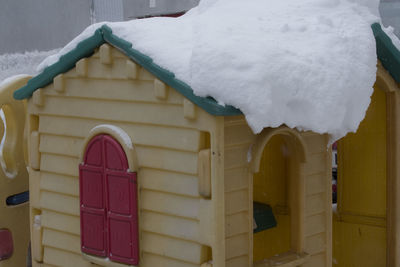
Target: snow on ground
[308,64]
[21,63]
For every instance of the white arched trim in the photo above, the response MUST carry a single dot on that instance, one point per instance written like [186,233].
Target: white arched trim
[292,137]
[118,134]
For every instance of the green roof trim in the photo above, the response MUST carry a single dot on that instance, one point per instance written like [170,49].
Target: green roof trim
[102,35]
[64,64]
[388,54]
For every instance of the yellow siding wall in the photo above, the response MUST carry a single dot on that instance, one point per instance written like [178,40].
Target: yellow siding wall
[318,199]
[173,216]
[238,192]
[316,235]
[360,225]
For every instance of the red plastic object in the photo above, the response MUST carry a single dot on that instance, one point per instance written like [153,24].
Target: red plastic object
[108,198]
[6,244]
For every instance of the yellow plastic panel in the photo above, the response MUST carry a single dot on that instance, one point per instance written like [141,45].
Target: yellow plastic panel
[270,187]
[362,163]
[360,227]
[358,245]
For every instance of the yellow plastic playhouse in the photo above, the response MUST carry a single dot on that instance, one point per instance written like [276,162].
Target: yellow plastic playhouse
[148,174]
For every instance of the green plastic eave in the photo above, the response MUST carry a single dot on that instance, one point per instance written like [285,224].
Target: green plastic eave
[66,62]
[388,54]
[102,35]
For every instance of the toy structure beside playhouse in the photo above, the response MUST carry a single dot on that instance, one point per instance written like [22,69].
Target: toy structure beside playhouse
[127,167]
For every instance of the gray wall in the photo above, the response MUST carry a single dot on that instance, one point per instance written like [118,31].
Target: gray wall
[390,13]
[141,8]
[108,10]
[27,25]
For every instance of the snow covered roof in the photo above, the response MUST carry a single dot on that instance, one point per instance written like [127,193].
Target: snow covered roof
[310,66]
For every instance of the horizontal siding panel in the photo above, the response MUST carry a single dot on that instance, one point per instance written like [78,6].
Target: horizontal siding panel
[316,183]
[60,222]
[236,179]
[315,204]
[59,164]
[171,115]
[63,258]
[316,261]
[62,145]
[115,53]
[315,224]
[59,183]
[176,138]
[155,158]
[152,260]
[170,204]
[173,248]
[236,201]
[61,203]
[171,160]
[237,246]
[114,70]
[316,143]
[170,226]
[143,74]
[315,164]
[234,120]
[238,134]
[61,240]
[236,156]
[242,261]
[167,181]
[315,244]
[237,224]
[123,90]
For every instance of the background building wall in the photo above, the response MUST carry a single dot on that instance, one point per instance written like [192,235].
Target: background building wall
[27,25]
[142,8]
[390,13]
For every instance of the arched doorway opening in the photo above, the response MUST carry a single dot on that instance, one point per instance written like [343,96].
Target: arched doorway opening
[278,196]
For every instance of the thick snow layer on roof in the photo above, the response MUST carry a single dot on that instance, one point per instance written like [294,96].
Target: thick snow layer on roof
[21,63]
[308,64]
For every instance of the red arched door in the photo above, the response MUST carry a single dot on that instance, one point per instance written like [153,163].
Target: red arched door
[108,202]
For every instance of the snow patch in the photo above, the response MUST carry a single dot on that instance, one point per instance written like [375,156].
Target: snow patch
[310,65]
[18,63]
